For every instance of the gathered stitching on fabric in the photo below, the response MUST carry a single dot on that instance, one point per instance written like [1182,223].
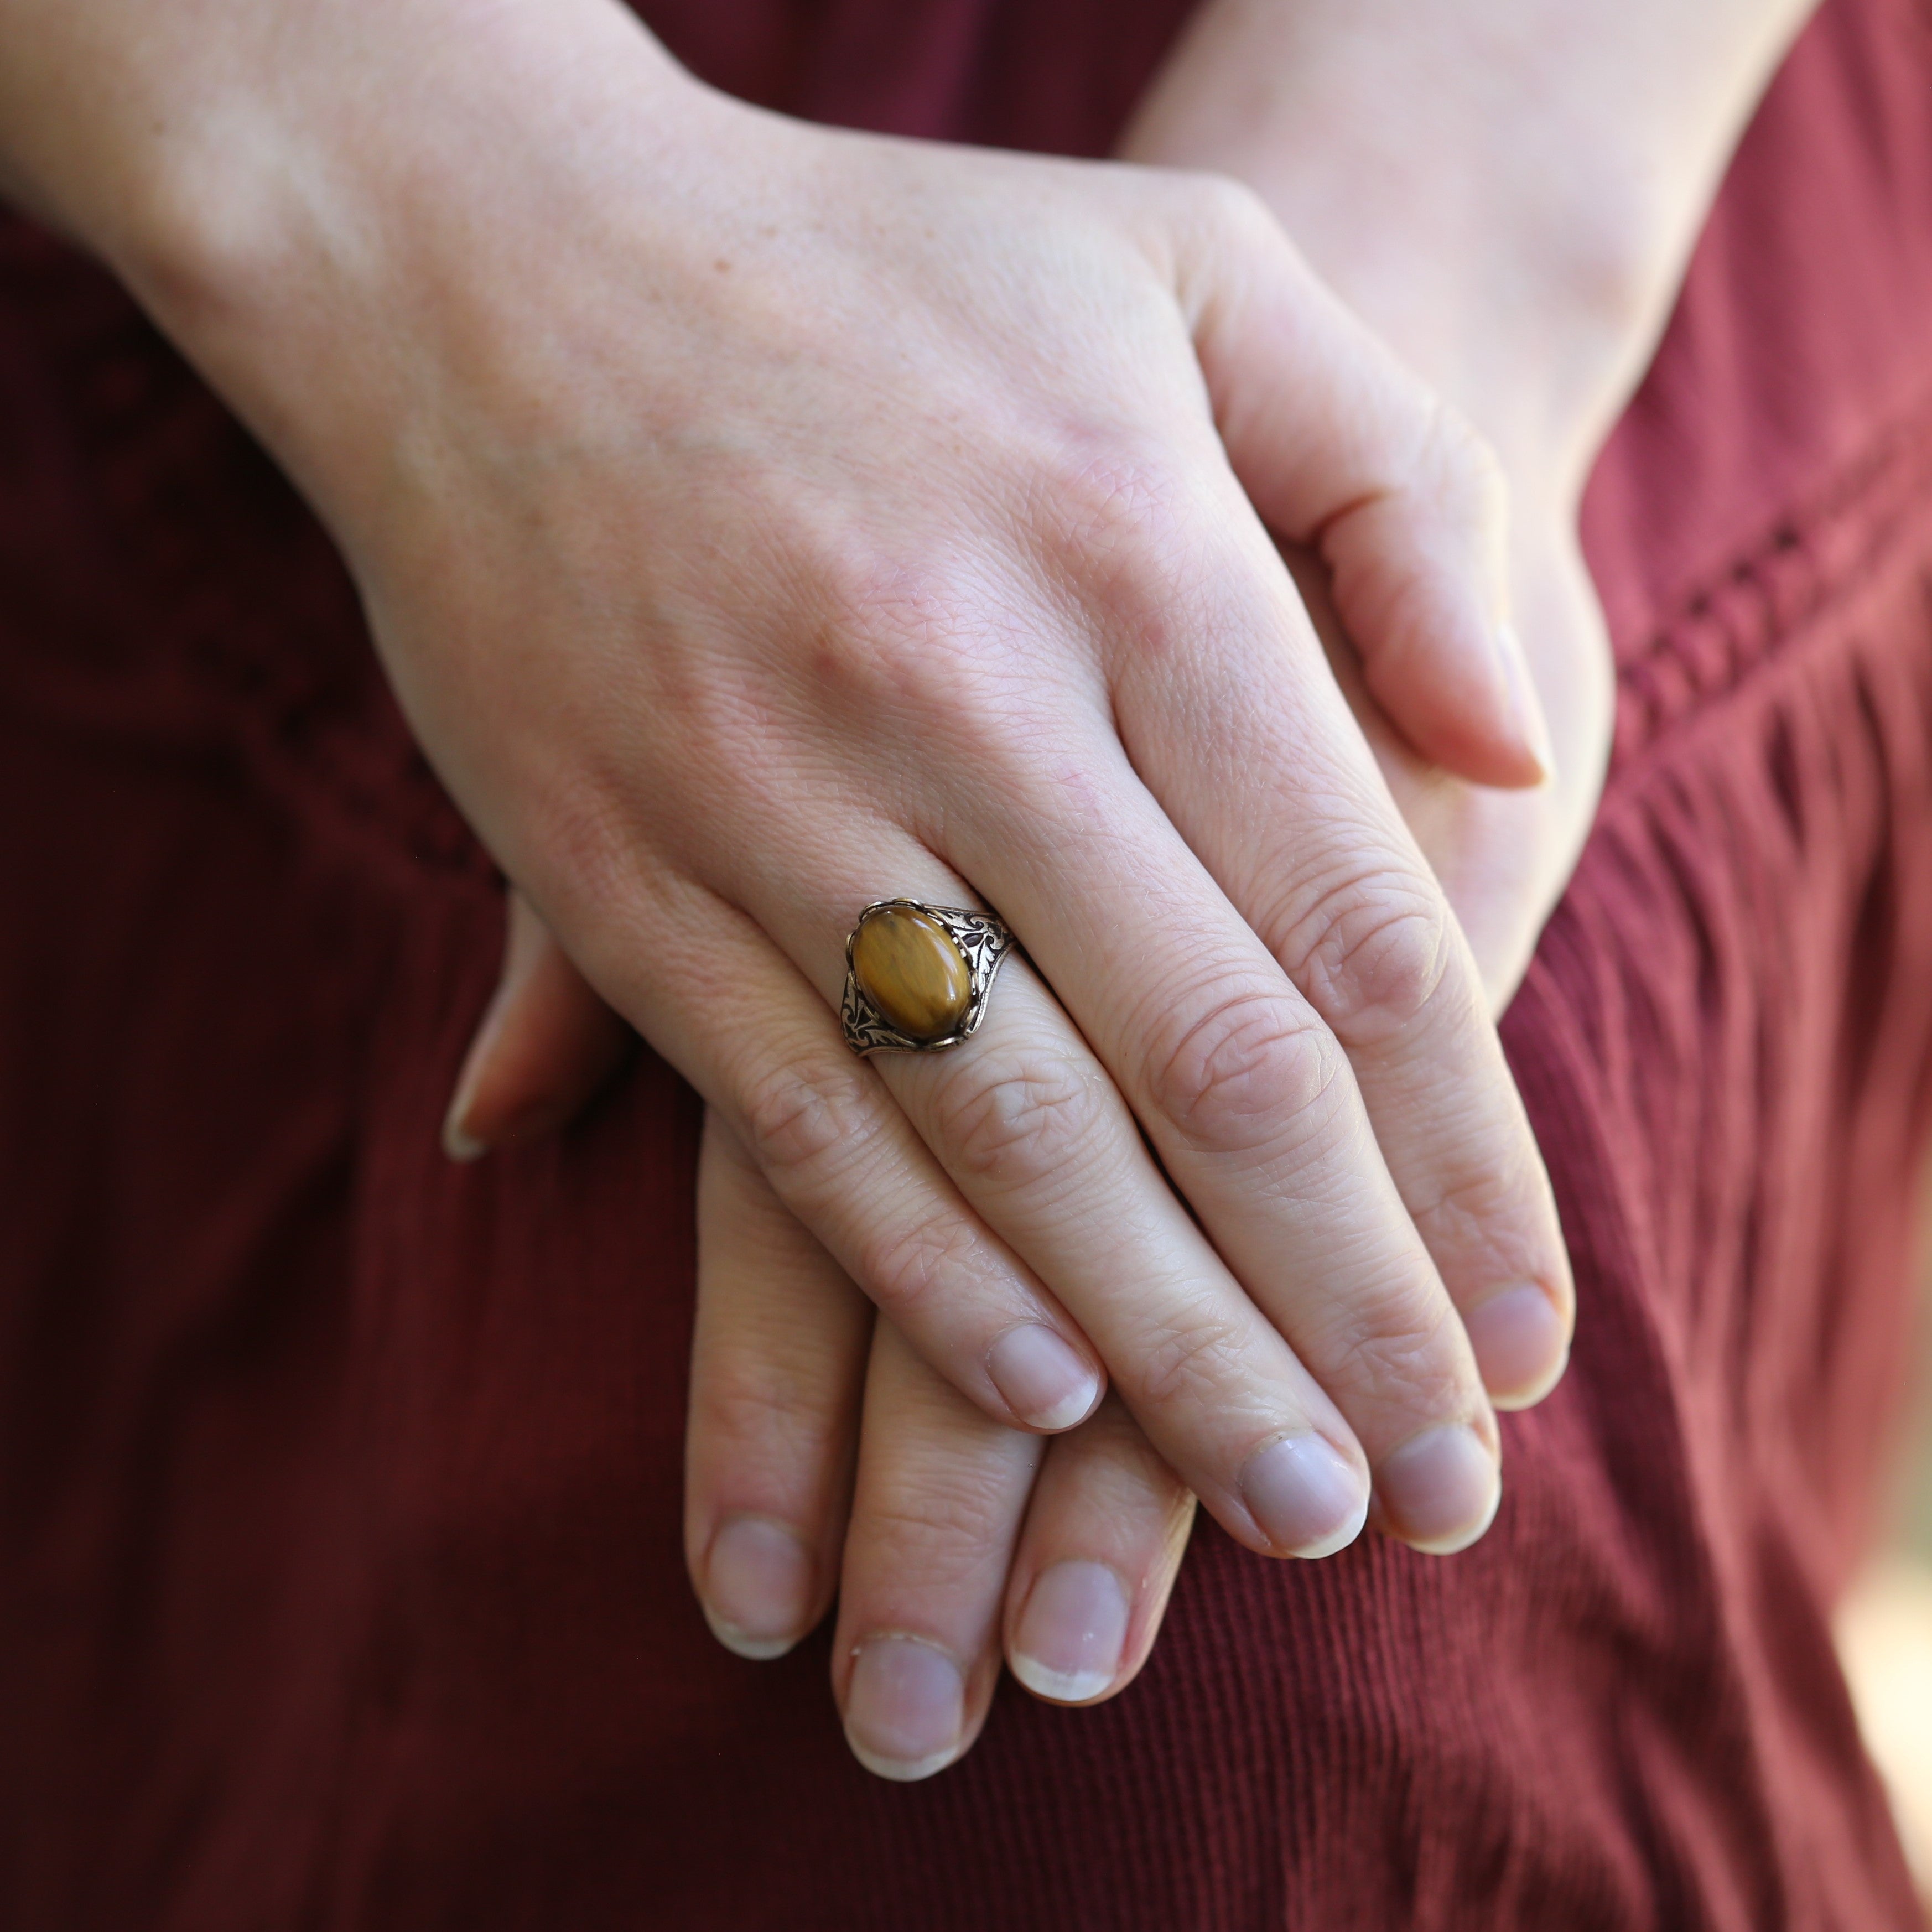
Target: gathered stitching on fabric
[1807,561]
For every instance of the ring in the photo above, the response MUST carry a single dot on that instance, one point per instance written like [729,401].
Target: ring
[917,976]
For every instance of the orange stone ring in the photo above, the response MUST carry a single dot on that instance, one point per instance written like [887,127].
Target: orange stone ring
[917,976]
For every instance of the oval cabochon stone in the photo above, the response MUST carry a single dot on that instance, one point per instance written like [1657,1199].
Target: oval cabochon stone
[909,967]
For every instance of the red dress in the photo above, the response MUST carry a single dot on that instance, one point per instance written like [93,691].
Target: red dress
[340,1572]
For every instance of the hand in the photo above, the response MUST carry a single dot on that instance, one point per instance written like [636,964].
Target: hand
[948,1538]
[903,552]
[533,470]
[961,1541]
[1103,1507]
[1509,195]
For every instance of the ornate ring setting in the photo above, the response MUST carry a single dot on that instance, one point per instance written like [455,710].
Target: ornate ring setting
[917,977]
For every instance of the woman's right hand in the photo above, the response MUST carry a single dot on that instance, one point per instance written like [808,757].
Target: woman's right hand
[757,521]
[960,1538]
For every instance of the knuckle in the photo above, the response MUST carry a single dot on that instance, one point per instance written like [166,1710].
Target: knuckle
[924,655]
[856,587]
[1402,1348]
[763,1409]
[872,622]
[934,1534]
[1015,1117]
[1106,490]
[1122,523]
[1493,1200]
[586,828]
[1191,1362]
[1465,470]
[1252,1061]
[1373,954]
[1230,210]
[906,1269]
[805,1123]
[886,639]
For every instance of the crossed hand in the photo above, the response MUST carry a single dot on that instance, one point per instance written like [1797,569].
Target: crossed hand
[960,576]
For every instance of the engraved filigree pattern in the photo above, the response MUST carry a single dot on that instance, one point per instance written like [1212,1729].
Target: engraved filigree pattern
[983,942]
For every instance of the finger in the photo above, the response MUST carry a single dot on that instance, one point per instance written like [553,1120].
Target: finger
[935,1513]
[1105,1534]
[841,1155]
[1031,1129]
[1344,901]
[777,1380]
[1405,503]
[1028,1126]
[777,1372]
[1252,1106]
[1051,1182]
[544,1046]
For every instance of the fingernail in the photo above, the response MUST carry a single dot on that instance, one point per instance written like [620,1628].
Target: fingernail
[757,1587]
[1308,1499]
[905,1707]
[1521,1344]
[1439,1491]
[1071,1632]
[459,1143]
[1526,707]
[1040,1379]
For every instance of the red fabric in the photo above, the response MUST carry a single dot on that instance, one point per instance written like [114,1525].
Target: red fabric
[339,1573]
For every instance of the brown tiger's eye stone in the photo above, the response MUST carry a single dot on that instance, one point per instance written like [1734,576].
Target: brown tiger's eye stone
[908,967]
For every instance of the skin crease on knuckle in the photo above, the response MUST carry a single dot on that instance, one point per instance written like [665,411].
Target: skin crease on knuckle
[779,1350]
[807,1123]
[1019,1113]
[939,1524]
[1191,1364]
[1120,522]
[1252,1069]
[1400,1351]
[1503,1212]
[1374,953]
[906,1269]
[767,1411]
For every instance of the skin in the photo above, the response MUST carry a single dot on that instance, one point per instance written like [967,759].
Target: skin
[754,518]
[1522,250]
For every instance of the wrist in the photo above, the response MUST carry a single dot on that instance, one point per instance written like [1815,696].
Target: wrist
[1508,194]
[285,187]
[174,139]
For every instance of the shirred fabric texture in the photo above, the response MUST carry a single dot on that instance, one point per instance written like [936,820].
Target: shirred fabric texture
[340,1580]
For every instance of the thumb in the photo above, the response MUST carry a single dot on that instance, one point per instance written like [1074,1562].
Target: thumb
[1343,449]
[545,1045]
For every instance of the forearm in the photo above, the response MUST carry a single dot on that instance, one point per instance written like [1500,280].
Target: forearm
[1455,168]
[292,190]
[139,128]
